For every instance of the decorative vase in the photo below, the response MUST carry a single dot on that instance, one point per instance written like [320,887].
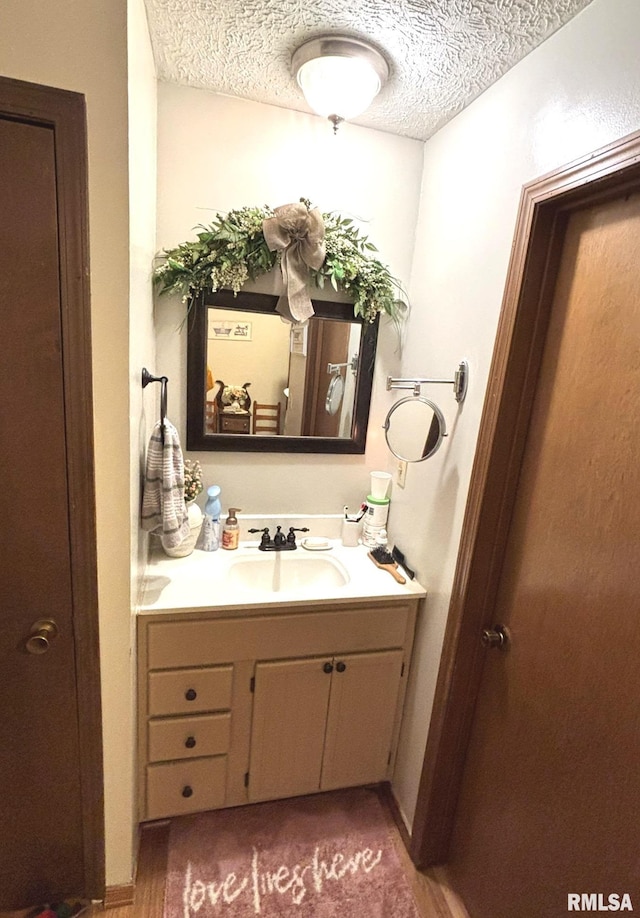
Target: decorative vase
[194,514]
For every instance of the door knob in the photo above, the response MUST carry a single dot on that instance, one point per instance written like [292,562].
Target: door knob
[42,631]
[496,637]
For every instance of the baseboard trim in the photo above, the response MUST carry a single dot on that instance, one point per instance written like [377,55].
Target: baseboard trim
[116,896]
[389,798]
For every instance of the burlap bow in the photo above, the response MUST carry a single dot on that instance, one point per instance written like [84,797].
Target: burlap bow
[298,233]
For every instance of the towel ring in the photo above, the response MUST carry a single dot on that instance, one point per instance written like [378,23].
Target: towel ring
[148,378]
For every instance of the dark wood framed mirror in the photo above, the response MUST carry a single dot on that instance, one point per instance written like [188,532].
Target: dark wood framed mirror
[258,384]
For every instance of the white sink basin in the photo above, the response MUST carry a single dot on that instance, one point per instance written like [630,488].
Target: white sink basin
[284,572]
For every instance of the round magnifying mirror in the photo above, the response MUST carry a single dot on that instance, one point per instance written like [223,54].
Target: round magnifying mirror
[334,394]
[414,428]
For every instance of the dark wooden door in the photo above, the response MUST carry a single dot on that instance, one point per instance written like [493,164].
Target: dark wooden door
[47,850]
[549,799]
[328,343]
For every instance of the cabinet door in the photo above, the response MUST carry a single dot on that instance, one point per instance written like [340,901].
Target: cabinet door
[362,710]
[287,735]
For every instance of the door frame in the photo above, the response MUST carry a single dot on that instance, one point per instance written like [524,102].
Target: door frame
[545,206]
[64,113]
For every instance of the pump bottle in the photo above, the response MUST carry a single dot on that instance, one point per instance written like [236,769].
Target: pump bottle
[231,530]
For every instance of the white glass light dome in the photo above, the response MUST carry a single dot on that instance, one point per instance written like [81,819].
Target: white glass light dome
[339,76]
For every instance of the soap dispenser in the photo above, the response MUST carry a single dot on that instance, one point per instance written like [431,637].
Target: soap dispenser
[231,530]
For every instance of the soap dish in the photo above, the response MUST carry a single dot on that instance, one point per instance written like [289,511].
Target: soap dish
[316,544]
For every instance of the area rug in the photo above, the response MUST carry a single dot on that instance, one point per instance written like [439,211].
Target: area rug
[325,856]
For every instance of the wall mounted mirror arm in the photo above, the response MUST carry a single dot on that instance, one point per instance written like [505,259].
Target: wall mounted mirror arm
[353,364]
[418,427]
[459,382]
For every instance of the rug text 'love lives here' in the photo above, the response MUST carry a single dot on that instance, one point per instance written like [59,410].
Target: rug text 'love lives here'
[258,883]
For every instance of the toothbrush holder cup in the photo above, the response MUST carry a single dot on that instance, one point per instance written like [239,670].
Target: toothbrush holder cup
[350,533]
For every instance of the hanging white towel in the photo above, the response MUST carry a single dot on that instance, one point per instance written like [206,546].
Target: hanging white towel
[164,511]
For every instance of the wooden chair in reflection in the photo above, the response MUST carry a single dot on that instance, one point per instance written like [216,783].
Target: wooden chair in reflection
[211,417]
[266,419]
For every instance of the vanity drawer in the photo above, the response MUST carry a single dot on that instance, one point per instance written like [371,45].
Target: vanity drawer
[184,691]
[174,788]
[261,637]
[188,737]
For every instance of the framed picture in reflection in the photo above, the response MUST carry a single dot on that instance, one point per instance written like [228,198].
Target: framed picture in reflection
[298,341]
[231,331]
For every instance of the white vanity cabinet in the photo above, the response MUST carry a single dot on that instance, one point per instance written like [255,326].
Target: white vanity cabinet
[244,705]
[323,723]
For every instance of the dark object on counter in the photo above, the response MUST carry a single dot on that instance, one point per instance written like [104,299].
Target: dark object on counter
[384,559]
[399,557]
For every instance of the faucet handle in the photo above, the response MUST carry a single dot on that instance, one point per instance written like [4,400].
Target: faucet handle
[292,530]
[264,540]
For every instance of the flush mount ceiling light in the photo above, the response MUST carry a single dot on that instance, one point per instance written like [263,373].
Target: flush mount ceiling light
[339,76]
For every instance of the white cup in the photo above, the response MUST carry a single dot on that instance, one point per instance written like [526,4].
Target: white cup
[380,484]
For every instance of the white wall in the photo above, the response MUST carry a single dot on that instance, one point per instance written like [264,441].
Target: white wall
[216,154]
[577,92]
[142,231]
[142,404]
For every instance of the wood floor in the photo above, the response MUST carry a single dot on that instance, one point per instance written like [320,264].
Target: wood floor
[433,895]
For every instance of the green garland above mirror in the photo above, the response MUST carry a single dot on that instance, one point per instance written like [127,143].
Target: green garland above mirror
[233,250]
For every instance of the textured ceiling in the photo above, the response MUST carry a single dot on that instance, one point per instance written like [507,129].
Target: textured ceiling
[442,53]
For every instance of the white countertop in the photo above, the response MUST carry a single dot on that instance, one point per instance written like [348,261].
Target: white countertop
[203,581]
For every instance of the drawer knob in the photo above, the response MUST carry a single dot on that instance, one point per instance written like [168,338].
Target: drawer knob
[328,668]
[187,791]
[341,666]
[191,694]
[190,742]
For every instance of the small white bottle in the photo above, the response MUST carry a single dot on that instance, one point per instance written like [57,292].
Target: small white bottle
[381,538]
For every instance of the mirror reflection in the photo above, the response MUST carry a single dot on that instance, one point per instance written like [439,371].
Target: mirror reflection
[267,377]
[334,394]
[414,429]
[255,382]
